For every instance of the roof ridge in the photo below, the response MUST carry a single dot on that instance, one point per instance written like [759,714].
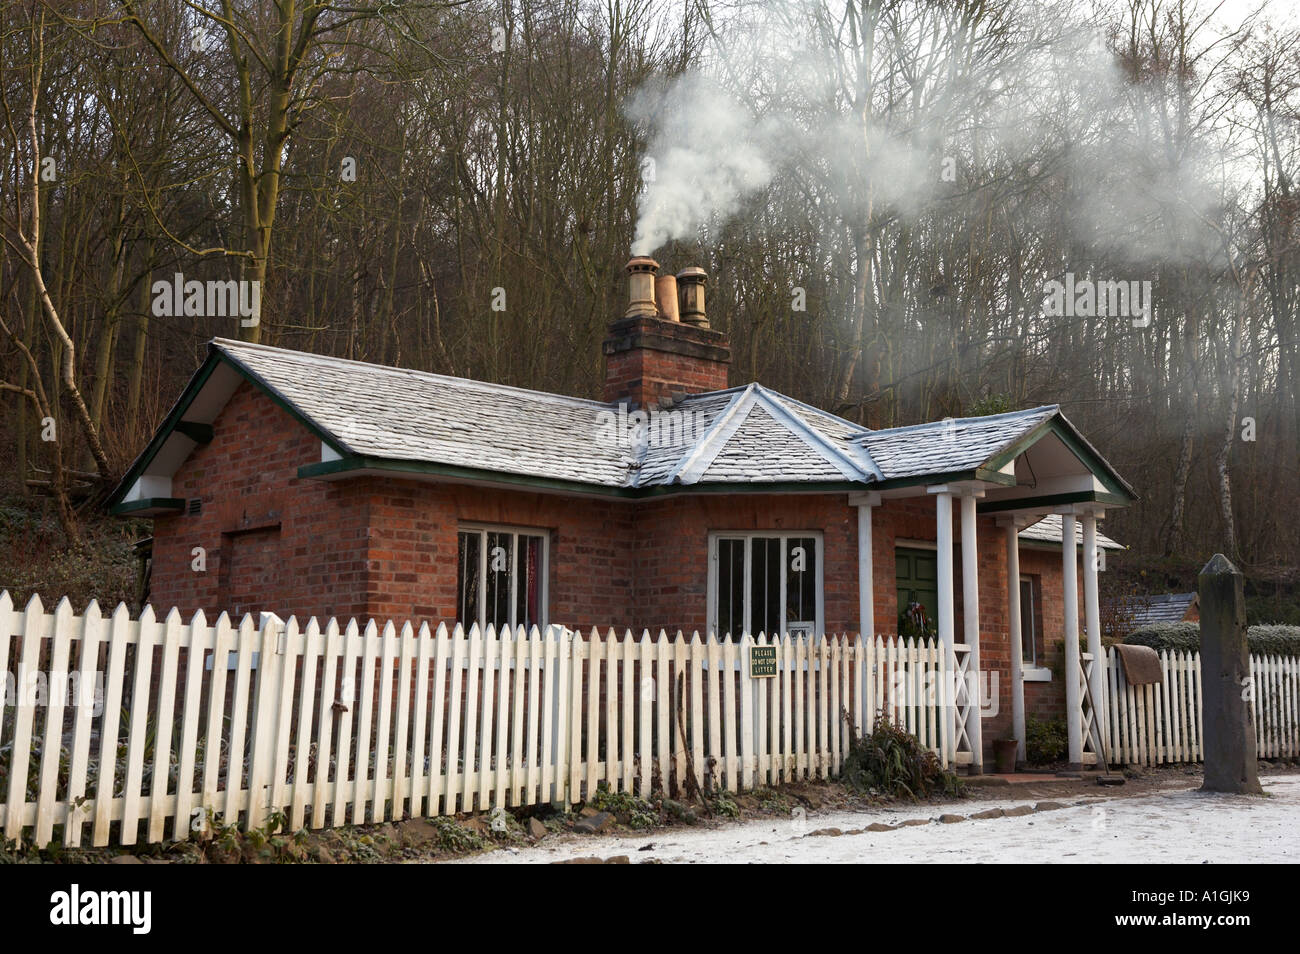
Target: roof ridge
[822,412]
[223,343]
[1004,415]
[696,461]
[816,439]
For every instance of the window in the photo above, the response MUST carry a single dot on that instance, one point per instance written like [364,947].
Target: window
[501,577]
[765,583]
[1031,638]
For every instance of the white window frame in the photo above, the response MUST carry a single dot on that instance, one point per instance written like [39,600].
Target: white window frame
[819,586]
[544,569]
[1036,672]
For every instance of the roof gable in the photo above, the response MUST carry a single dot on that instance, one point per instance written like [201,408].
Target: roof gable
[952,445]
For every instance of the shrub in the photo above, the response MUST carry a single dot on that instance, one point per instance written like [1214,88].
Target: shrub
[1274,639]
[891,762]
[1175,636]
[639,813]
[1045,740]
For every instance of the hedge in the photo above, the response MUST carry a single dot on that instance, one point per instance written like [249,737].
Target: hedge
[1271,639]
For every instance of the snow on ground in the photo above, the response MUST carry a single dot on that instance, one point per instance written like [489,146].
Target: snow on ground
[1169,827]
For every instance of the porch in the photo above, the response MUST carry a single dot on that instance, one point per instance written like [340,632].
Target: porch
[1049,474]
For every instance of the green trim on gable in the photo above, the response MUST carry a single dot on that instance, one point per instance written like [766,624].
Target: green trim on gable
[1065,432]
[164,431]
[1053,500]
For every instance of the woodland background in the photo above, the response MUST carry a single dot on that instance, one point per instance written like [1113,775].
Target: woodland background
[502,145]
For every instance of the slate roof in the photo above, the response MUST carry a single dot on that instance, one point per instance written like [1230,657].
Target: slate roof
[741,436]
[1163,608]
[949,445]
[1048,530]
[397,414]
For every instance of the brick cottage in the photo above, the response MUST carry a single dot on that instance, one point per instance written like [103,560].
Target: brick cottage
[302,484]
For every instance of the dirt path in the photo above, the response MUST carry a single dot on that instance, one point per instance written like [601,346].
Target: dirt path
[1176,824]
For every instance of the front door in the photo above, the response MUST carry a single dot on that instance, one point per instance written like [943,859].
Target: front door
[917,581]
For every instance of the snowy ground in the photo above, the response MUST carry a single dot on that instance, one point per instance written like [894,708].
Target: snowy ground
[1177,826]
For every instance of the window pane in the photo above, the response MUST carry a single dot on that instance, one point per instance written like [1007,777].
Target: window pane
[731,586]
[1028,641]
[467,582]
[500,573]
[801,582]
[528,589]
[765,586]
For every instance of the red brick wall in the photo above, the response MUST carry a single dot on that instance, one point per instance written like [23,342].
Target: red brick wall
[246,480]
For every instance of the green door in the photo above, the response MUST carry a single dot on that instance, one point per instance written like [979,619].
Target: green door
[917,581]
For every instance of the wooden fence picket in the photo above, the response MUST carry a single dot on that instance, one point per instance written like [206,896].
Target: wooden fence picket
[196,641]
[52,744]
[91,631]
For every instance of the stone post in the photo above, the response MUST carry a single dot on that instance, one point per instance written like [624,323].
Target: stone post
[1226,687]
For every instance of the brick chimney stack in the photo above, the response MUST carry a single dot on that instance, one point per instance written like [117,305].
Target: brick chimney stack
[663,346]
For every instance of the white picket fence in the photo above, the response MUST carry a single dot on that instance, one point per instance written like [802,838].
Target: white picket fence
[1164,722]
[332,724]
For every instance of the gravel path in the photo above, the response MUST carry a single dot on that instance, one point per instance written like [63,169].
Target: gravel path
[1176,826]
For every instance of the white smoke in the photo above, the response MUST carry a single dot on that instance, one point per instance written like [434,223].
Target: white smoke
[707,154]
[711,152]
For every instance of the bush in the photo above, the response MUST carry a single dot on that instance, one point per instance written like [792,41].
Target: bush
[1045,740]
[1273,639]
[1180,636]
[891,762]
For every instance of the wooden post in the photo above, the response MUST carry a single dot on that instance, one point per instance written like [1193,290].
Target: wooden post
[1227,692]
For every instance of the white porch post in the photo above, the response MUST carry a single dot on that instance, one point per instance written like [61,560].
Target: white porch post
[943,550]
[1092,619]
[866,569]
[1070,644]
[970,592]
[1017,648]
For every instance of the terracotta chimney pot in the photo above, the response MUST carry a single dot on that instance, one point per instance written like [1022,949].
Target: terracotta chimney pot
[666,297]
[641,288]
[690,284]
